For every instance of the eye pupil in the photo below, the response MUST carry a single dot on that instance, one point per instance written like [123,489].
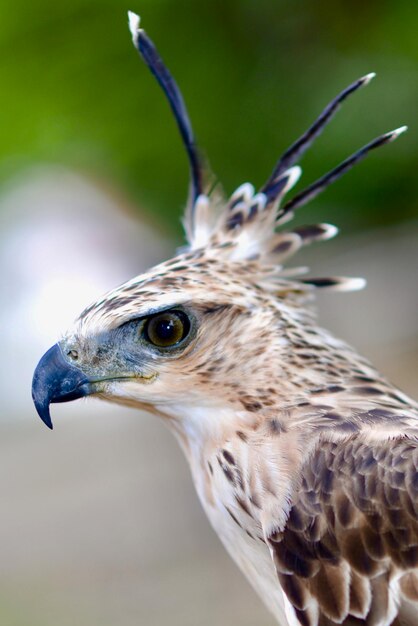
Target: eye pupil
[167,329]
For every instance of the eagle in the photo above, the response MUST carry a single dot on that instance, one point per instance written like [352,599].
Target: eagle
[304,457]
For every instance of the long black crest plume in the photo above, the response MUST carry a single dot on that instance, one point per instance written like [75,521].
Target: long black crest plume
[301,145]
[154,62]
[319,185]
[277,182]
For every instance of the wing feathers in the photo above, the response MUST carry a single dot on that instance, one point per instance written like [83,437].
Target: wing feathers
[350,546]
[360,595]
[331,588]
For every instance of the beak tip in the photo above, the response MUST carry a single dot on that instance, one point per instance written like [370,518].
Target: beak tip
[46,418]
[42,409]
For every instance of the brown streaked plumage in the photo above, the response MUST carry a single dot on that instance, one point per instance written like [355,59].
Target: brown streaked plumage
[304,457]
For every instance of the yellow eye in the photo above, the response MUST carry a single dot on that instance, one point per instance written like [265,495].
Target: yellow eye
[167,329]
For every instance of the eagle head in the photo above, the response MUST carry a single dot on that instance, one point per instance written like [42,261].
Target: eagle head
[194,332]
[206,331]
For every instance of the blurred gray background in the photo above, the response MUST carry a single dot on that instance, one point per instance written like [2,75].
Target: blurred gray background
[99,521]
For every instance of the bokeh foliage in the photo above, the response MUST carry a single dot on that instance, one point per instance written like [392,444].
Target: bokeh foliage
[254,74]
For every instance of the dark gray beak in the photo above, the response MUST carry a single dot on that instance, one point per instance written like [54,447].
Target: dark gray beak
[56,380]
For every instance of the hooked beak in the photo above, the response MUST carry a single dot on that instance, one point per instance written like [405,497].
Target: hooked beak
[56,380]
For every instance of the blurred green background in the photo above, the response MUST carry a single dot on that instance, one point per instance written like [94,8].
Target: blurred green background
[254,75]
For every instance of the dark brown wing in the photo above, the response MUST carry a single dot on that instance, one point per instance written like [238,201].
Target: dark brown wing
[349,552]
